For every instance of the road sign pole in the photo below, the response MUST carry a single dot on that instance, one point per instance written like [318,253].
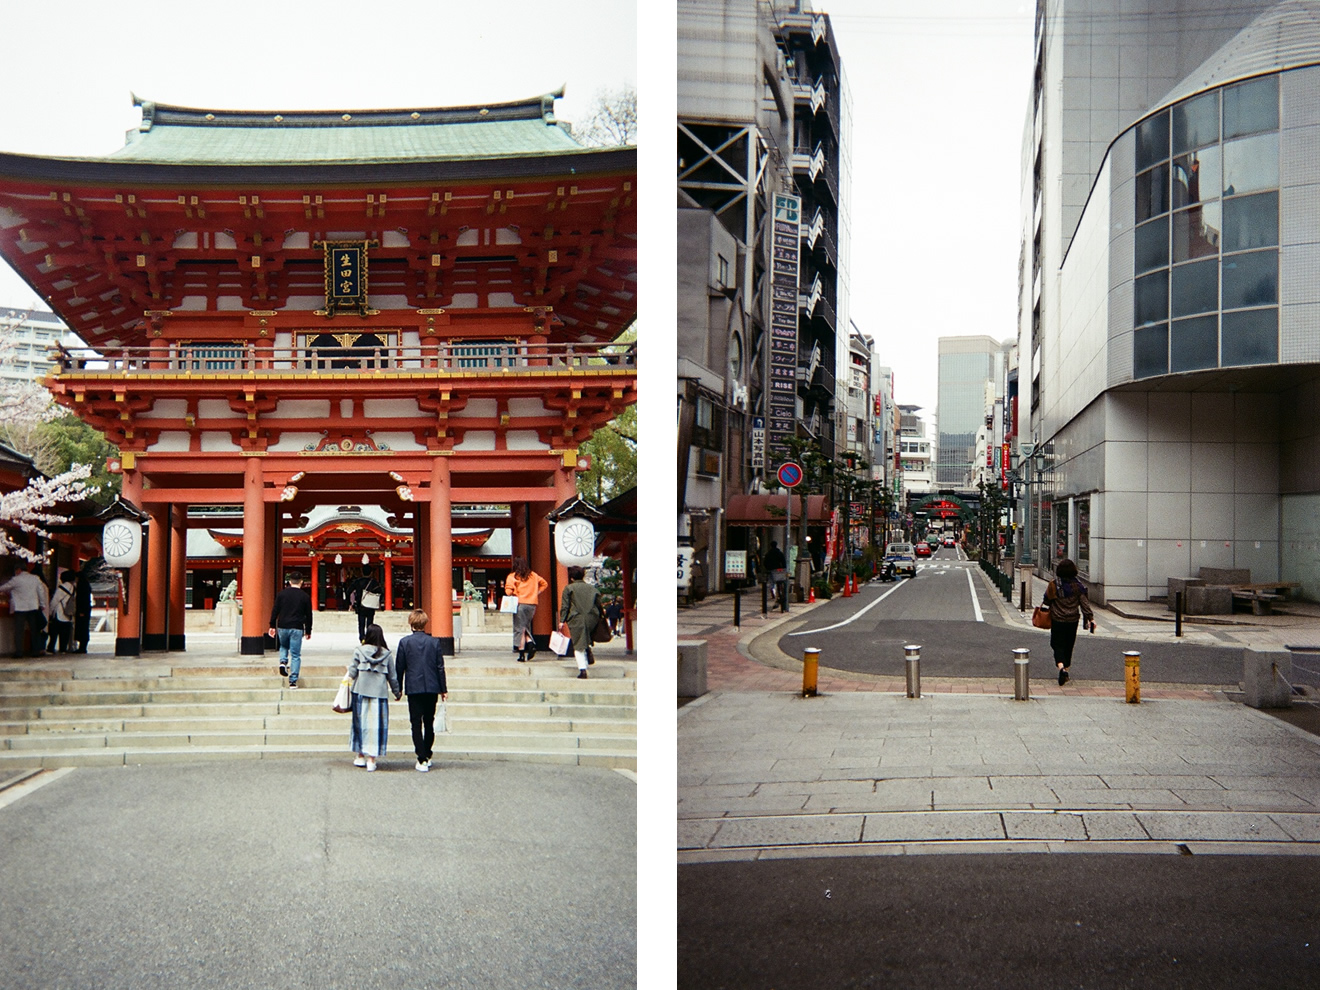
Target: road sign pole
[788,550]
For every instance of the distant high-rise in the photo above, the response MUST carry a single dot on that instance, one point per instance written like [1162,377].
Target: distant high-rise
[966,365]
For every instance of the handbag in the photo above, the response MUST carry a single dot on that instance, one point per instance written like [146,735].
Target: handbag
[601,634]
[441,718]
[343,697]
[1040,618]
[371,600]
[509,604]
[559,643]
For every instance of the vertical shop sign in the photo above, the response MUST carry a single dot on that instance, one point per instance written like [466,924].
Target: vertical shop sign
[784,325]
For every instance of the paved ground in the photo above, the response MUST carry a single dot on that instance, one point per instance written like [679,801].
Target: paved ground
[311,873]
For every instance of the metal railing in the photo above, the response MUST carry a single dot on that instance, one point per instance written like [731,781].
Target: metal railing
[250,359]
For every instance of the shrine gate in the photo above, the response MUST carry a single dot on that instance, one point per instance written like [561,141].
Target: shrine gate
[406,308]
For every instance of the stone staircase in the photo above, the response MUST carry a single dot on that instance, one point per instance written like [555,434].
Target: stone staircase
[57,717]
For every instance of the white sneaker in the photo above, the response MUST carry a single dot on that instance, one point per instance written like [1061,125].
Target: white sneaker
[371,765]
[423,766]
[361,761]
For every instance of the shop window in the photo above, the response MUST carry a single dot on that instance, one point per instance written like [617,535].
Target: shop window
[1084,536]
[1195,288]
[1251,337]
[1251,164]
[1251,222]
[1150,351]
[1151,299]
[1251,279]
[1152,250]
[1194,343]
[1196,122]
[1251,107]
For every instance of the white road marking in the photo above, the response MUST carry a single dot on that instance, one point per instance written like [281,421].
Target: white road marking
[857,615]
[11,794]
[975,604]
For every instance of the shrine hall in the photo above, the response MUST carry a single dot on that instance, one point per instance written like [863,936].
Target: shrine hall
[412,309]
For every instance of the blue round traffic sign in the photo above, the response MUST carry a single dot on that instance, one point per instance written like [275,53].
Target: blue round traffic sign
[790,474]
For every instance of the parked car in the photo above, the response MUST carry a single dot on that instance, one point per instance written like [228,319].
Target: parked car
[903,558]
[922,549]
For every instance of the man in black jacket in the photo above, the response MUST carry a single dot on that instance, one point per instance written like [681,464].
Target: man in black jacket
[291,622]
[421,668]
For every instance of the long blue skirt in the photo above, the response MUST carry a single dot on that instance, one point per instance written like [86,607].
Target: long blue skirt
[371,725]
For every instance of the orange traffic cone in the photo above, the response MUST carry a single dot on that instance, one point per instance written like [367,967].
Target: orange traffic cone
[811,595]
[847,588]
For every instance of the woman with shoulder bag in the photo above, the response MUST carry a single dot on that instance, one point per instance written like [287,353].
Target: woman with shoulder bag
[374,678]
[580,610]
[527,586]
[1066,599]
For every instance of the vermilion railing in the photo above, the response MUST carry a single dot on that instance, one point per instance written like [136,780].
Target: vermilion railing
[249,359]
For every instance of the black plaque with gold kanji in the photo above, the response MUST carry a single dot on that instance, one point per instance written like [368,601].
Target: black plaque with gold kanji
[345,277]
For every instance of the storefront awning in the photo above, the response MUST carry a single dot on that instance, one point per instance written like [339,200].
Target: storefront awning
[769,510]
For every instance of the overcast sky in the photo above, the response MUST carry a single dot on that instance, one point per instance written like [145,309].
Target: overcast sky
[71,67]
[939,97]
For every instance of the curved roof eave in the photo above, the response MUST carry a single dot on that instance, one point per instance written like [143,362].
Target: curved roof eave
[98,171]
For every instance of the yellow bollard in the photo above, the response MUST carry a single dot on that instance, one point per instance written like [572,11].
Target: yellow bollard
[810,659]
[1132,670]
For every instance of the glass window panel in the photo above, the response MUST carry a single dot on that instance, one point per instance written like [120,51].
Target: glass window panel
[1196,122]
[1196,232]
[1251,279]
[1196,177]
[1194,344]
[1251,164]
[1251,337]
[1152,250]
[1251,222]
[1153,193]
[1151,299]
[1195,288]
[1152,140]
[1150,351]
[1251,107]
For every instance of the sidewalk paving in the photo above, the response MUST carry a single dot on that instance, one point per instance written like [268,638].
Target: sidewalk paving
[863,770]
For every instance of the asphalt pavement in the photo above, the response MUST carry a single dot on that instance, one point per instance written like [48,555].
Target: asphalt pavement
[312,873]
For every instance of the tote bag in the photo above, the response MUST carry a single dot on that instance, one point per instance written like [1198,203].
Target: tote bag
[343,699]
[371,600]
[509,604]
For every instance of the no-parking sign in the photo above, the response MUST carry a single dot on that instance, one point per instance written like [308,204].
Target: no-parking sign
[789,474]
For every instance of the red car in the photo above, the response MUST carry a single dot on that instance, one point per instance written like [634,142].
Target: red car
[923,549]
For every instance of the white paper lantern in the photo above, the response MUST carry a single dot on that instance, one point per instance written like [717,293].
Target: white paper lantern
[121,542]
[575,541]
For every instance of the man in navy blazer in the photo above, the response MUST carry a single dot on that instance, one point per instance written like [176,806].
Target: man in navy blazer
[421,668]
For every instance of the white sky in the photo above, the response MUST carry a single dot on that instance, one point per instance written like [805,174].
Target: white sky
[71,67]
[939,97]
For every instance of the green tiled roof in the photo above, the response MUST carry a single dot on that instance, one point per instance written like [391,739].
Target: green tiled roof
[183,135]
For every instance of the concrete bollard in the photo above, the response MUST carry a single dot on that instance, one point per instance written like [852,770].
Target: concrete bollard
[691,668]
[1266,677]
[810,661]
[1021,674]
[1132,675]
[913,655]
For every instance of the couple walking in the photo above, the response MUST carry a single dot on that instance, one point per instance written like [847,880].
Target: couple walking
[418,668]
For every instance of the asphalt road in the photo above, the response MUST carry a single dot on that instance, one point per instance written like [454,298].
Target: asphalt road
[309,873]
[936,610]
[953,922]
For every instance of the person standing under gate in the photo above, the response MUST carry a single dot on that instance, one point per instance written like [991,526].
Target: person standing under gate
[82,610]
[580,609]
[366,597]
[29,601]
[1066,598]
[528,586]
[420,663]
[61,615]
[291,623]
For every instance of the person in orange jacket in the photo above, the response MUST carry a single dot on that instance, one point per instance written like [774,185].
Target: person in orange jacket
[528,586]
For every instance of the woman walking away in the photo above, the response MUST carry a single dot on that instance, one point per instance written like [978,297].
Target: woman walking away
[373,675]
[580,608]
[528,586]
[1066,599]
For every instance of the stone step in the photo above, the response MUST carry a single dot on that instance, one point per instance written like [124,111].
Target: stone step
[396,759]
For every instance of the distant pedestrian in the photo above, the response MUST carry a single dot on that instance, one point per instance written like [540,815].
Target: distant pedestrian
[580,609]
[30,602]
[528,586]
[366,598]
[374,678]
[291,623]
[82,610]
[1066,598]
[62,609]
[613,614]
[776,569]
[420,662]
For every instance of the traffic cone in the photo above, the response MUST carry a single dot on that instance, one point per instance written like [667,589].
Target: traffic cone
[811,595]
[847,588]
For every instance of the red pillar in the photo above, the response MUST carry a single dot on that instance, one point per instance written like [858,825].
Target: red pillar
[158,553]
[128,628]
[316,581]
[389,585]
[442,555]
[254,554]
[178,576]
[421,557]
[541,561]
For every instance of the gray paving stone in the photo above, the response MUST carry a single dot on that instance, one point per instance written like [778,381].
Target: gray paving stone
[696,834]
[1239,799]
[1025,825]
[932,826]
[1182,826]
[775,804]
[1102,826]
[854,787]
[788,831]
[1182,782]
[1303,828]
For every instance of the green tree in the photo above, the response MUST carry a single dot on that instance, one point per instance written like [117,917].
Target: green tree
[613,450]
[67,441]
